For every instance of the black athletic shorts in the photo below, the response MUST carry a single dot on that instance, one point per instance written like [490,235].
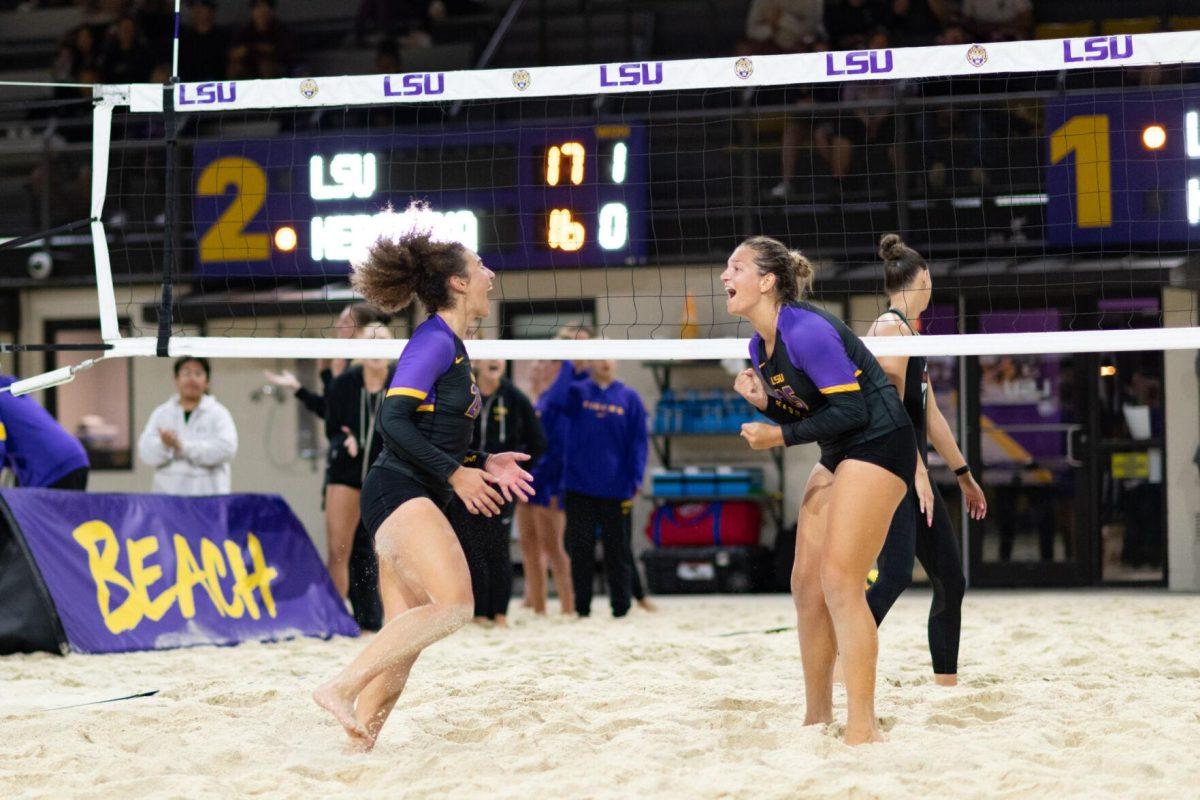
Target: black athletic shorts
[896,452]
[385,490]
[343,470]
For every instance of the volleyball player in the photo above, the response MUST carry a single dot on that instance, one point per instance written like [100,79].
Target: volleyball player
[426,422]
[542,521]
[921,526]
[814,377]
[352,405]
[506,422]
[348,325]
[340,491]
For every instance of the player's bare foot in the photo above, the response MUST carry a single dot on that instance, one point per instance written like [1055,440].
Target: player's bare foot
[819,719]
[946,680]
[869,735]
[501,621]
[342,709]
[645,604]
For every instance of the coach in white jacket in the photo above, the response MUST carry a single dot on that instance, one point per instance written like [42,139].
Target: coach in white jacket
[190,439]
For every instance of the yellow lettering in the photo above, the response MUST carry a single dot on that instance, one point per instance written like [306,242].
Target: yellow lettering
[102,564]
[143,577]
[263,574]
[188,575]
[103,552]
[214,570]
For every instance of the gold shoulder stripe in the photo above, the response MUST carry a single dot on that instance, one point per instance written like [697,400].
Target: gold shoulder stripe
[841,387]
[406,392]
[3,432]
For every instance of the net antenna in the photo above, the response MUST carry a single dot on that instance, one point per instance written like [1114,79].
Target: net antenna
[213,103]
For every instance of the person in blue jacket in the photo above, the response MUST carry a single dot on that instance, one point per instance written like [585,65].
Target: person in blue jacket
[35,447]
[603,465]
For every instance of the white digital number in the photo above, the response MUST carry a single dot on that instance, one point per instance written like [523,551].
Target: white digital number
[614,226]
[620,161]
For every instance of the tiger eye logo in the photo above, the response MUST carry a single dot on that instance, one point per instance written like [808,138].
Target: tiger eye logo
[743,68]
[977,55]
[309,88]
[521,80]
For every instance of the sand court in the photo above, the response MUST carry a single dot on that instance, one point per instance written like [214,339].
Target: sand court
[1061,693]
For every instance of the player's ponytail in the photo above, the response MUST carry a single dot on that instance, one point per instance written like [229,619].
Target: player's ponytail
[901,264]
[792,270]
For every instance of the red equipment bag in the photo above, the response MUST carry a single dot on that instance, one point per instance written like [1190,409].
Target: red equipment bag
[729,523]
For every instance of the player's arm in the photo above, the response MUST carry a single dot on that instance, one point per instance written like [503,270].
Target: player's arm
[421,364]
[942,439]
[894,367]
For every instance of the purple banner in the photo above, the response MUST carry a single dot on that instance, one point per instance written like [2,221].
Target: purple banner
[150,572]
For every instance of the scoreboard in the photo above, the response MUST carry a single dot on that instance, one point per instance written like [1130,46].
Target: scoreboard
[1123,169]
[522,197]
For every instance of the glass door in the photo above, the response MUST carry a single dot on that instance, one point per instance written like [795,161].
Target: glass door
[1029,423]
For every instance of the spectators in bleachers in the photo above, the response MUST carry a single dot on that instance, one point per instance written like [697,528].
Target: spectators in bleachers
[77,51]
[850,22]
[388,18]
[262,49]
[203,46]
[783,26]
[125,57]
[998,20]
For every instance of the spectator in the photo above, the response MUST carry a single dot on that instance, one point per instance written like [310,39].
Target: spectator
[604,463]
[203,47]
[849,22]
[782,26]
[387,57]
[125,58]
[36,448]
[915,22]
[156,21]
[190,440]
[391,18]
[76,52]
[998,20]
[262,49]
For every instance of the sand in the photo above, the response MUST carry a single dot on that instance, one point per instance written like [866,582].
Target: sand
[1089,694]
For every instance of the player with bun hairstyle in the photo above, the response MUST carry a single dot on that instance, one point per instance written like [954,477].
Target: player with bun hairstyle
[921,526]
[426,422]
[811,375]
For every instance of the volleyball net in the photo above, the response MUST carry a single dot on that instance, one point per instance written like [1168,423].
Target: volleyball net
[1053,186]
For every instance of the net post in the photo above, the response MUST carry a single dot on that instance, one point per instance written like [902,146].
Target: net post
[171,240]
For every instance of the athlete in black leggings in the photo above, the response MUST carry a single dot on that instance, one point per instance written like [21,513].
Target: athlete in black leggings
[921,525]
[506,422]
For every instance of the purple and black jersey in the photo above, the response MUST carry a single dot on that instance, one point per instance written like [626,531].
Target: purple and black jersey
[429,413]
[823,385]
[33,444]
